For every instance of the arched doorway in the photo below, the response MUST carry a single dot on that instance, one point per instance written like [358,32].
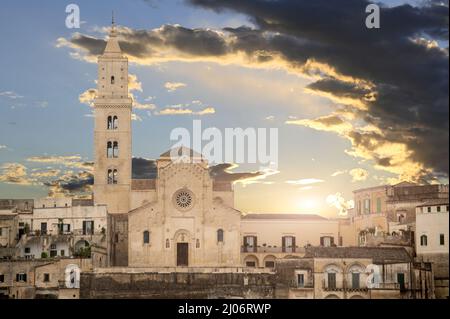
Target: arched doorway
[182,239]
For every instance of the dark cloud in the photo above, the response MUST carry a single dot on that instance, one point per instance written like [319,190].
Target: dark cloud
[220,172]
[143,168]
[146,169]
[401,78]
[339,88]
[76,184]
[410,78]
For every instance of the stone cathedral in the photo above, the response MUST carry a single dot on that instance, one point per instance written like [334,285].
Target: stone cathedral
[182,217]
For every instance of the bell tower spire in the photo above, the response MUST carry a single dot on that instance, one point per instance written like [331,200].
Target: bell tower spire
[112,136]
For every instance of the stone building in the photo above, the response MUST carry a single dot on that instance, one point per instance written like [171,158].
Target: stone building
[183,216]
[432,224]
[57,278]
[267,237]
[390,209]
[323,272]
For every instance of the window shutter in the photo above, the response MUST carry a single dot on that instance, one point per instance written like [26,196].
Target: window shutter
[256,244]
[332,241]
[321,241]
[293,244]
[283,244]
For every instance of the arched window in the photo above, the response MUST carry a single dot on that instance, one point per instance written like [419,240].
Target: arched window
[423,240]
[167,243]
[112,79]
[112,176]
[109,150]
[115,149]
[110,123]
[146,236]
[220,235]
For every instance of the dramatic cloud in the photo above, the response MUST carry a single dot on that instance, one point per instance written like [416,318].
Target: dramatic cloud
[47,173]
[72,185]
[14,173]
[358,174]
[173,86]
[339,202]
[389,85]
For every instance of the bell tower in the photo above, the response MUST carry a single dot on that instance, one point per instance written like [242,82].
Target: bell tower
[112,135]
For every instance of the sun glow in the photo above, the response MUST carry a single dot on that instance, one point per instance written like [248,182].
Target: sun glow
[307,204]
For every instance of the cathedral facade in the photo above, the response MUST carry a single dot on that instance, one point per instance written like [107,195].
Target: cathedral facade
[181,218]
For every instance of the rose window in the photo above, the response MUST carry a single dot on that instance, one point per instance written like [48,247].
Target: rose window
[183,199]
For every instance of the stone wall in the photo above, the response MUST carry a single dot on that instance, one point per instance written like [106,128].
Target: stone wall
[117,232]
[177,285]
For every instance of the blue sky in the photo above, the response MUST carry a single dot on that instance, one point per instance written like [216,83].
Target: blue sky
[41,115]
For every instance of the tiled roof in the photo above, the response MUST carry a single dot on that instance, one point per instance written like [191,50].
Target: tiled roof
[377,254]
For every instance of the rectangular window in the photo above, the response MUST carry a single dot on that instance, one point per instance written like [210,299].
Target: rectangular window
[21,277]
[429,209]
[2,278]
[367,206]
[300,280]
[88,227]
[269,264]
[62,252]
[46,277]
[250,243]
[250,264]
[1,232]
[146,237]
[326,241]
[43,228]
[53,253]
[64,228]
[288,244]
[438,209]
[401,280]
[331,280]
[355,280]
[27,250]
[378,205]
[441,239]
